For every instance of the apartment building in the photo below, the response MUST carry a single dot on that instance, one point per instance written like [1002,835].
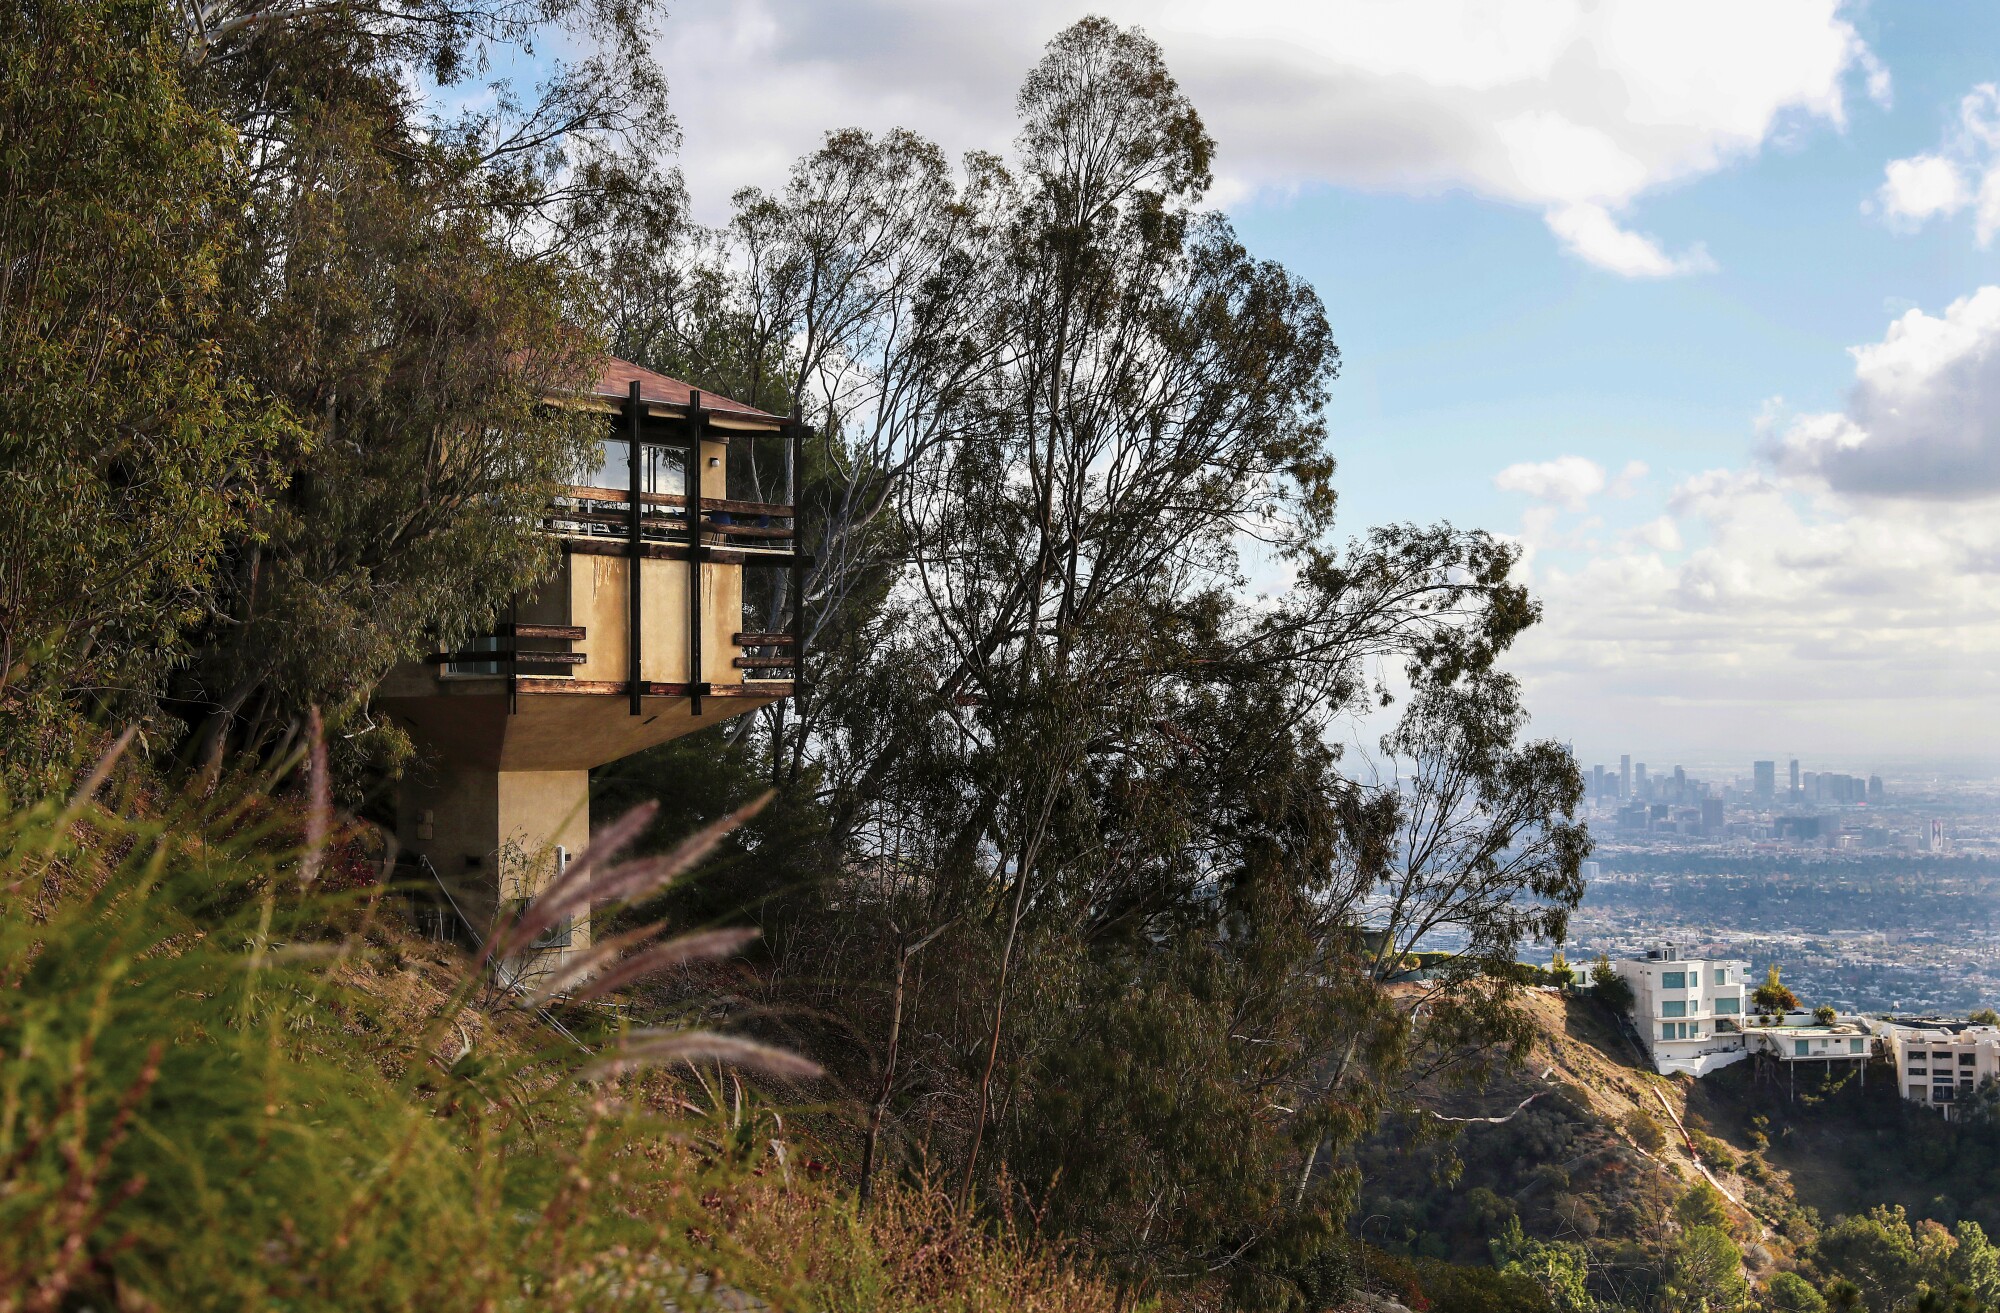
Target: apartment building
[1688,1010]
[1939,1061]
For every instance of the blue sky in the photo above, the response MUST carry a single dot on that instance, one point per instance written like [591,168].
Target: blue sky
[1599,270]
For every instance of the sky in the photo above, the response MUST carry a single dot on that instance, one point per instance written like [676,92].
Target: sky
[1699,302]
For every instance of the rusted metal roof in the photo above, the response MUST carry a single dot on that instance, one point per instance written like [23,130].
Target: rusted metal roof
[619,376]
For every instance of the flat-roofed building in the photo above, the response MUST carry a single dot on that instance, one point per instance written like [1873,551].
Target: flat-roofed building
[1688,1010]
[1939,1062]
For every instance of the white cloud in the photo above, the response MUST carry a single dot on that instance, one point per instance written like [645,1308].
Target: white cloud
[1841,597]
[1938,184]
[1923,418]
[1662,535]
[1764,610]
[1627,482]
[1923,187]
[1589,231]
[1568,481]
[1574,108]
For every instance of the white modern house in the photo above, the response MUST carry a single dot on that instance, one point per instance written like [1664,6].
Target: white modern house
[1941,1061]
[1801,1040]
[1688,1010]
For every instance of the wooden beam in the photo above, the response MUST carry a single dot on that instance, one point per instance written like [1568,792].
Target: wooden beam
[573,633]
[676,499]
[794,487]
[678,552]
[761,663]
[764,640]
[756,688]
[524,658]
[635,407]
[692,482]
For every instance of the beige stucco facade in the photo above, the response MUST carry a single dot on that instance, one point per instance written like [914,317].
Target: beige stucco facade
[499,799]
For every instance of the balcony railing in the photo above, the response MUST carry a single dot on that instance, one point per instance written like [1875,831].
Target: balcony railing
[605,514]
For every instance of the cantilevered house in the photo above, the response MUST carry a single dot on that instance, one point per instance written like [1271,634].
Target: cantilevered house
[639,637]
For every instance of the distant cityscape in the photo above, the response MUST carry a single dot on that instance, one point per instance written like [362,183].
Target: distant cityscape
[1874,893]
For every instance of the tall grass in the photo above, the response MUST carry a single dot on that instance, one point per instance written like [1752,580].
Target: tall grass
[223,1087]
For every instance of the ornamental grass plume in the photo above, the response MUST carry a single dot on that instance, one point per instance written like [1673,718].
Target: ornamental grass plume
[202,1104]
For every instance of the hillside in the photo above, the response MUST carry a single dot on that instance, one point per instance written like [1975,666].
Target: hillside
[1585,1144]
[1589,1146]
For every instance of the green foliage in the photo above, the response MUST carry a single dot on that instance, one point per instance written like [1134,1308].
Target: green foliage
[1610,988]
[199,1115]
[1559,1269]
[1704,1272]
[1460,1288]
[1892,1260]
[1702,1205]
[1560,973]
[1984,1017]
[1788,1292]
[1773,996]
[130,452]
[226,1090]
[1714,1152]
[1825,1015]
[1645,1132]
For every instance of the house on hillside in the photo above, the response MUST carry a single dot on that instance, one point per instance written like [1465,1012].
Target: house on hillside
[1803,1040]
[1940,1061]
[1688,1010]
[639,636]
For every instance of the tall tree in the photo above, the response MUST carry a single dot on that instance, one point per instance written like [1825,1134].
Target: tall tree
[131,452]
[408,283]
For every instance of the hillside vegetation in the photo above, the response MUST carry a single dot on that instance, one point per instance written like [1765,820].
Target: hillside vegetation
[1614,1167]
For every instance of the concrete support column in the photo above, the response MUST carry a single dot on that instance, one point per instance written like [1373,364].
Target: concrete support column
[497,836]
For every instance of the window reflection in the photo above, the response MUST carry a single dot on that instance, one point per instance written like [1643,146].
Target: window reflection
[663,469]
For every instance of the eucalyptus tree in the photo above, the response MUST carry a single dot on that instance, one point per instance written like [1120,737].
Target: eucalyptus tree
[407,282]
[1055,398]
[129,452]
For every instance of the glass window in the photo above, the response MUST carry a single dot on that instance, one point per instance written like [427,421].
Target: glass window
[1917,1093]
[1801,1047]
[1965,1059]
[1854,1046]
[1721,976]
[1728,1007]
[663,469]
[1674,1008]
[1673,980]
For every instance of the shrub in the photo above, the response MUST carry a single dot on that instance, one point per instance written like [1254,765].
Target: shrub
[1457,1288]
[1644,1131]
[1713,1151]
[1788,1292]
[1610,988]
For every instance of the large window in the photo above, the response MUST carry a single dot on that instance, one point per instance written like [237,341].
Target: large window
[1673,980]
[1728,1007]
[1801,1047]
[1674,1008]
[1854,1046]
[663,469]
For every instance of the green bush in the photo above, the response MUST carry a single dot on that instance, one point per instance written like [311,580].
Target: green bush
[1458,1288]
[1714,1152]
[1645,1132]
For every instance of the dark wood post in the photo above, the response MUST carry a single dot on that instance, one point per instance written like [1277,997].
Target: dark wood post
[635,412]
[696,553]
[796,482]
